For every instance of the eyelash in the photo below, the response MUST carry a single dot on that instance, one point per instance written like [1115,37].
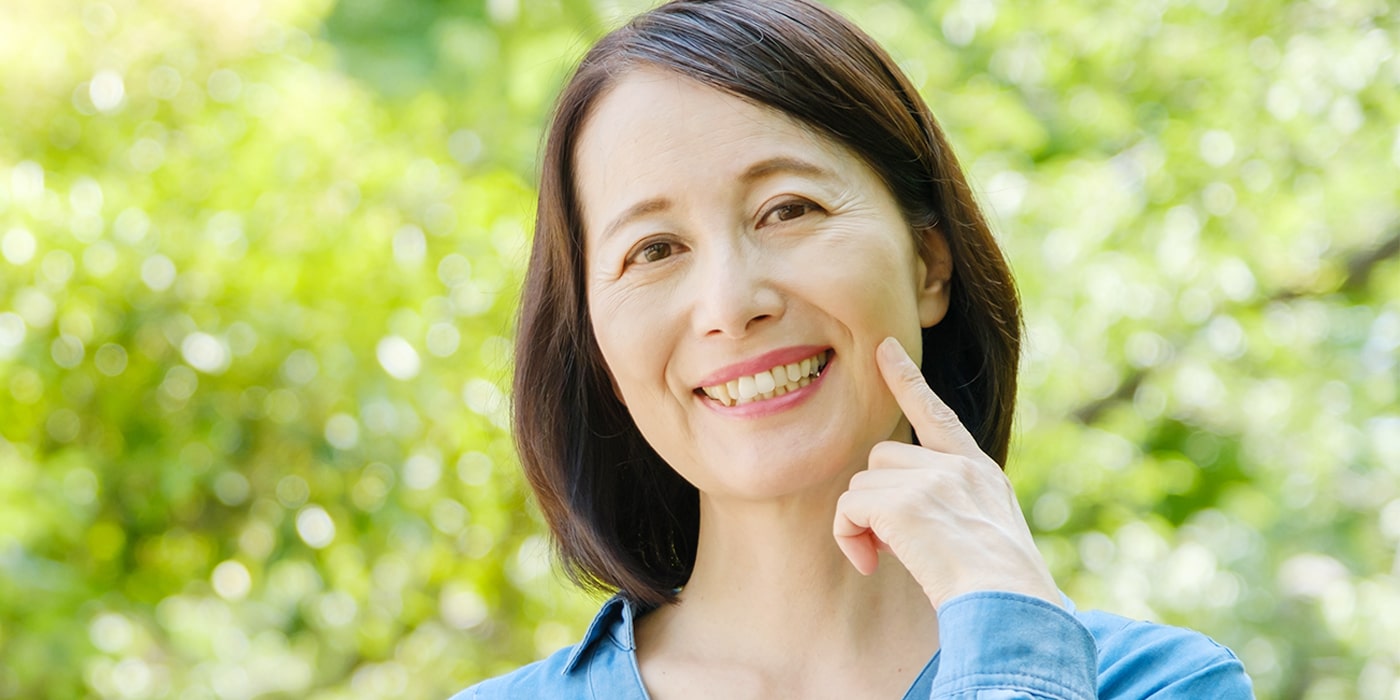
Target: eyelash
[636,256]
[654,245]
[808,204]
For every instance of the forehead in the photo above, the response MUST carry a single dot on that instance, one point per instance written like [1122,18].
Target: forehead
[656,129]
[662,101]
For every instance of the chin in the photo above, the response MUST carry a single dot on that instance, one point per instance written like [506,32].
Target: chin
[765,476]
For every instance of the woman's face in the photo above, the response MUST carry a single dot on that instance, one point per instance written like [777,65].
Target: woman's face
[741,270]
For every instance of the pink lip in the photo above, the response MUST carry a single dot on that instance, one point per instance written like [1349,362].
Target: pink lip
[766,361]
[768,407]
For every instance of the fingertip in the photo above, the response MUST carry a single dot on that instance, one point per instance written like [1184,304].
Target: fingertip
[898,367]
[890,347]
[866,565]
[893,352]
[858,551]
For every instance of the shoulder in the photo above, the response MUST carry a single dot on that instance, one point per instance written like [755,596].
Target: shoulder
[1140,659]
[547,678]
[599,665]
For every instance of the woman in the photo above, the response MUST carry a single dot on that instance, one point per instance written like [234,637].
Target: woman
[764,389]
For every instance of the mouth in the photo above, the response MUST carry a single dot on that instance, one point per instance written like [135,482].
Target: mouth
[770,383]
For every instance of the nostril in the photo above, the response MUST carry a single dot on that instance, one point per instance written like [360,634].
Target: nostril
[733,310]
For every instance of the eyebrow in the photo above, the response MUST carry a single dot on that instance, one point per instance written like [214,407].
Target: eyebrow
[642,208]
[763,168]
[784,164]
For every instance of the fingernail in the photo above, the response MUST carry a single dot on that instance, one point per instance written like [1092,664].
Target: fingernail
[890,347]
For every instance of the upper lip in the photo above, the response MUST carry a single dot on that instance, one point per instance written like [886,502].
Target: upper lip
[759,363]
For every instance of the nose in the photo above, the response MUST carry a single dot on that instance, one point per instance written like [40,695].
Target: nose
[735,293]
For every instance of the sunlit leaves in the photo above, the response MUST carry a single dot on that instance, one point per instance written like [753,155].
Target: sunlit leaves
[258,265]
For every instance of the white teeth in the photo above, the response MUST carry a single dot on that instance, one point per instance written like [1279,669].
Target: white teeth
[775,382]
[747,388]
[764,381]
[719,393]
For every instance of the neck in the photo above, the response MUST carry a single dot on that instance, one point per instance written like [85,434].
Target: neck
[771,587]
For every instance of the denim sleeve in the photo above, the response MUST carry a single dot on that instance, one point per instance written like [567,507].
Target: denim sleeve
[1143,660]
[1006,646]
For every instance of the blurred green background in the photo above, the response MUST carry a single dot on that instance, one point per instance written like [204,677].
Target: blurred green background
[258,270]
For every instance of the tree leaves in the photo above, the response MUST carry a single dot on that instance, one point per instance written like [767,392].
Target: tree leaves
[257,279]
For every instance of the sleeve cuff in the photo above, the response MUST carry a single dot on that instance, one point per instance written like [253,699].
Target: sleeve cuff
[995,640]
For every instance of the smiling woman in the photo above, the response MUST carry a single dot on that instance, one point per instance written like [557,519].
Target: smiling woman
[766,340]
[770,246]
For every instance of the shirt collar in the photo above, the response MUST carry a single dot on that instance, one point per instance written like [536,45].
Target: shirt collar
[614,621]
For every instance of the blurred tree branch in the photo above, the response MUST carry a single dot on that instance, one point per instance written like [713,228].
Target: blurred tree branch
[1359,267]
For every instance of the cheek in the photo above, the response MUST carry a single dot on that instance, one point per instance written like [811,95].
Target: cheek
[865,281]
[631,336]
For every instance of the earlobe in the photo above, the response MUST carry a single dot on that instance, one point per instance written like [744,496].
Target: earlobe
[935,276]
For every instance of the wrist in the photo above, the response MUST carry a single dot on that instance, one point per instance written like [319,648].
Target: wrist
[1039,590]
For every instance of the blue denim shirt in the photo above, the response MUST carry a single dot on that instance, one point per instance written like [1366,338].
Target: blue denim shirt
[995,646]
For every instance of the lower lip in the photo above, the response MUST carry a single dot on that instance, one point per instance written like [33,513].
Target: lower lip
[768,407]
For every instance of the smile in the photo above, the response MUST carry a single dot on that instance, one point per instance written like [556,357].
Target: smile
[769,383]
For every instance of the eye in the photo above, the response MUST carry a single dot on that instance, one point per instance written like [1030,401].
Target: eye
[654,251]
[787,211]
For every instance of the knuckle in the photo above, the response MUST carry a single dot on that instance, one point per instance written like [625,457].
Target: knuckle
[947,419]
[930,480]
[857,481]
[882,453]
[910,500]
[911,374]
[969,469]
[945,480]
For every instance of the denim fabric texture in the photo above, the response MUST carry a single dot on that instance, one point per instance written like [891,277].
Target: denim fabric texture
[995,646]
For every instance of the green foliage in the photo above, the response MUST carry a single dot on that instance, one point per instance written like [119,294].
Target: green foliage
[258,268]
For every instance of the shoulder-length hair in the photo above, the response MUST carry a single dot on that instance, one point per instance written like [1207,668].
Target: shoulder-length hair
[622,519]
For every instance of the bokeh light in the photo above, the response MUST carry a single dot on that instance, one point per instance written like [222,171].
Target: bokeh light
[258,272]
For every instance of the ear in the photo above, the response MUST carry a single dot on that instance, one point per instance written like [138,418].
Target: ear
[935,271]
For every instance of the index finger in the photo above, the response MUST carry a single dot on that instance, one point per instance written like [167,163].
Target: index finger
[936,425]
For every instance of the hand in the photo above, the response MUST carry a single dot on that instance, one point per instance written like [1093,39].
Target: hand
[943,507]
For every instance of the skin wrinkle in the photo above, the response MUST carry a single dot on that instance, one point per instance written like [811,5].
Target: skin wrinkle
[771,167]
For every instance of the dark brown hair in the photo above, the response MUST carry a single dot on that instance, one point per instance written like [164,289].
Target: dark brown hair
[622,519]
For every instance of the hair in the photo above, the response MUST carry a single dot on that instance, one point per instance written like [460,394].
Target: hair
[622,519]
